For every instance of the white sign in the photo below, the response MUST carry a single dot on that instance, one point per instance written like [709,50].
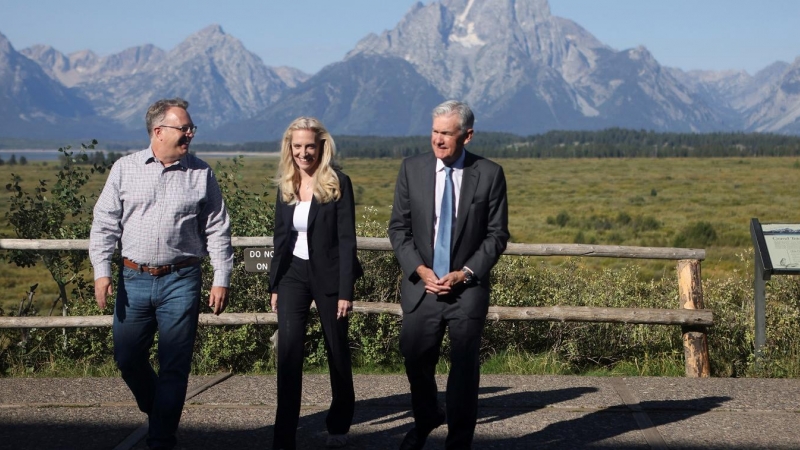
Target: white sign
[783,245]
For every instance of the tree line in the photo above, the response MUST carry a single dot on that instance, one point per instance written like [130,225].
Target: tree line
[608,143]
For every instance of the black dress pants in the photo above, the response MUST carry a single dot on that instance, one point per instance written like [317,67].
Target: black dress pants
[420,340]
[296,291]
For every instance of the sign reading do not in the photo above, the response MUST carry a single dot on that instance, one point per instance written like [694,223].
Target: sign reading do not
[258,259]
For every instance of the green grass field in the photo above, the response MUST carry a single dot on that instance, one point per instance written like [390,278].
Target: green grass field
[641,202]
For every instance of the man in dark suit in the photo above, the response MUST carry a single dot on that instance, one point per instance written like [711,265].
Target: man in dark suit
[455,201]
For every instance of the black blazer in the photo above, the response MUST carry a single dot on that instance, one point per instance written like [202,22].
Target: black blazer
[331,243]
[479,237]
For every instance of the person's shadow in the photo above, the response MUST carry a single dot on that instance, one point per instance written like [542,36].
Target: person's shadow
[609,427]
[504,422]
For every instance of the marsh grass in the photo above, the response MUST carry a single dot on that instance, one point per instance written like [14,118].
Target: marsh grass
[646,202]
[607,201]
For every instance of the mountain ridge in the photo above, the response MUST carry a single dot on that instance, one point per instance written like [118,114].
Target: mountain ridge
[522,70]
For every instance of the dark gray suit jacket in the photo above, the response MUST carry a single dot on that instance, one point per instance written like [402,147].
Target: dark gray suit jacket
[479,237]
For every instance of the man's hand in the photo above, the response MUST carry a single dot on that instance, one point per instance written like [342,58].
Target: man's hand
[452,279]
[218,299]
[102,289]
[344,308]
[273,302]
[433,284]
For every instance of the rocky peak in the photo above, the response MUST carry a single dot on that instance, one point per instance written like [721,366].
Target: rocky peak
[772,71]
[133,60]
[464,46]
[214,29]
[779,110]
[291,76]
[211,36]
[5,45]
[213,70]
[43,53]
[83,60]
[53,62]
[643,55]
[790,82]
[85,66]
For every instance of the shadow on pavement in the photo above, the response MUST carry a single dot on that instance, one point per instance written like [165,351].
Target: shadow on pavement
[380,423]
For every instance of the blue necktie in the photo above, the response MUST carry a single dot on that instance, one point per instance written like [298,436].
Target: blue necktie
[441,251]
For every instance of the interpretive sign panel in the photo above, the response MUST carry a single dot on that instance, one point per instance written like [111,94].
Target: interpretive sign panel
[258,259]
[783,245]
[777,252]
[777,245]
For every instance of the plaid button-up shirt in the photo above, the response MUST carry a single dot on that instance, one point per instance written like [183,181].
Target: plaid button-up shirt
[161,215]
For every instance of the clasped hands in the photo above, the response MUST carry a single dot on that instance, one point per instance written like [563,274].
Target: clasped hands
[439,286]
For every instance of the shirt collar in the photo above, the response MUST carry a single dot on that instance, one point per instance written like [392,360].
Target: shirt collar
[458,165]
[149,157]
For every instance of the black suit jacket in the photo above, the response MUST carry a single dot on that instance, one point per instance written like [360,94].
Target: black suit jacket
[479,237]
[331,242]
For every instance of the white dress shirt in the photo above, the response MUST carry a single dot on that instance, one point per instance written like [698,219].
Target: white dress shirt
[456,174]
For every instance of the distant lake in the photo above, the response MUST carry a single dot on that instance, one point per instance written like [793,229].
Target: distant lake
[52,155]
[31,155]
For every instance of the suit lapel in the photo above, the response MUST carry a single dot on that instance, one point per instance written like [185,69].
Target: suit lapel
[469,183]
[288,216]
[428,185]
[312,212]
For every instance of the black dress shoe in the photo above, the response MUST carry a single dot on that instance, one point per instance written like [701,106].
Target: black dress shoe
[412,441]
[416,437]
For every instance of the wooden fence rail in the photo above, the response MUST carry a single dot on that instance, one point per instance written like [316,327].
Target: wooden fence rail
[691,316]
[382,244]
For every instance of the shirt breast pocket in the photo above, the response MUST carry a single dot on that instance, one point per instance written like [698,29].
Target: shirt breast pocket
[189,205]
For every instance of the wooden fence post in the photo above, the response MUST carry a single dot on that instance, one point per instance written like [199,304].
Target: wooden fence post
[695,341]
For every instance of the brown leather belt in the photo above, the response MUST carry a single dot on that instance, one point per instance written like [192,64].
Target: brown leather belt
[160,270]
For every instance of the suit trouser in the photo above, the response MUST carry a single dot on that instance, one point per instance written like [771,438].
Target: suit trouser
[295,294]
[420,340]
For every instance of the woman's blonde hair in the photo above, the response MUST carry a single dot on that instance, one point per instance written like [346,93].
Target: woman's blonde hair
[326,183]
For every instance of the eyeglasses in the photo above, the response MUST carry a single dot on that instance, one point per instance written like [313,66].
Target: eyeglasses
[184,128]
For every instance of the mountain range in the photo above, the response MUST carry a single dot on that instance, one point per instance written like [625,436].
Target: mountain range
[523,71]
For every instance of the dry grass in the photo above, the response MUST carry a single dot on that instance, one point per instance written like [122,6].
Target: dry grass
[594,193]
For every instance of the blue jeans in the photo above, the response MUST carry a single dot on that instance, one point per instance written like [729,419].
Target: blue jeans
[169,304]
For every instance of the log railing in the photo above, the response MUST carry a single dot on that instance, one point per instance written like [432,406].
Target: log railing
[690,314]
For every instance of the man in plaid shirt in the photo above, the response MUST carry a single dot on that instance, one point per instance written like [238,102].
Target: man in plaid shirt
[164,209]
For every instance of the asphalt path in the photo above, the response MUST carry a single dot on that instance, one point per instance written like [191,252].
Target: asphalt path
[515,412]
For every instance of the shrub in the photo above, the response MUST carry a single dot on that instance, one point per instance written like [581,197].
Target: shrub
[623,218]
[696,235]
[517,281]
[562,219]
[646,223]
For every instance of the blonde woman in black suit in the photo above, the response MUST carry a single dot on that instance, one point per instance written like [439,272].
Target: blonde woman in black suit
[314,260]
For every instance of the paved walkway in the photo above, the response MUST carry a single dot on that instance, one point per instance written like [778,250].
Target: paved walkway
[516,412]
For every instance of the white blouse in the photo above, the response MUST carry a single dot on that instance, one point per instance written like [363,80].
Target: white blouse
[300,224]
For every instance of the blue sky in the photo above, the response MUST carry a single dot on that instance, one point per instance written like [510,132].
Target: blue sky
[689,34]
